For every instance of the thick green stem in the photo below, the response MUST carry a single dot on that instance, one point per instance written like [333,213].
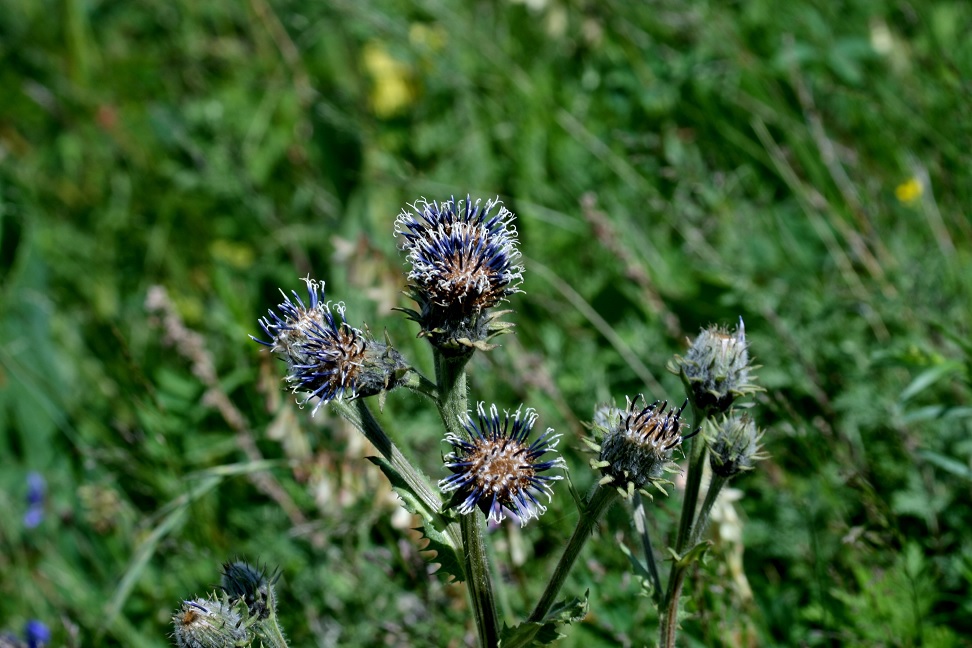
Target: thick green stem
[686,525]
[478,580]
[270,634]
[692,482]
[453,405]
[600,499]
[669,620]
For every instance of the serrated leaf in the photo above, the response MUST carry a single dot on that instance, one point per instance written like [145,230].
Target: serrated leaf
[546,632]
[434,525]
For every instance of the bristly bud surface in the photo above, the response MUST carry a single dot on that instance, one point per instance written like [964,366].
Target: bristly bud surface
[637,445]
[464,261]
[733,444]
[251,584]
[497,470]
[716,369]
[326,357]
[207,623]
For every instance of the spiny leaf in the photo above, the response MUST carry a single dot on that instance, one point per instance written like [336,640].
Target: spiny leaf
[434,525]
[546,632]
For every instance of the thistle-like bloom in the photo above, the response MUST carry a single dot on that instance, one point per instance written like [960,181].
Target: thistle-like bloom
[251,584]
[637,449]
[734,444]
[716,370]
[495,468]
[207,623]
[326,357]
[464,261]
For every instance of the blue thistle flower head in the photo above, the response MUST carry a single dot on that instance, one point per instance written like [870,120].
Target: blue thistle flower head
[464,261]
[637,448]
[326,357]
[497,470]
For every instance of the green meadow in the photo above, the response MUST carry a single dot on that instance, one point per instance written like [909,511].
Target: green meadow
[166,168]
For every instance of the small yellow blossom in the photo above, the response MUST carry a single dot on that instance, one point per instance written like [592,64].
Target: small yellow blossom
[910,191]
[391,89]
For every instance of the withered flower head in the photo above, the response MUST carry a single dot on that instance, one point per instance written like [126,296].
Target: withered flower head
[734,444]
[464,261]
[636,449]
[717,369]
[326,357]
[496,469]
[207,623]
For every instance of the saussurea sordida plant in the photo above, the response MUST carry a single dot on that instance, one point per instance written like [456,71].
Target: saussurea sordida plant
[463,263]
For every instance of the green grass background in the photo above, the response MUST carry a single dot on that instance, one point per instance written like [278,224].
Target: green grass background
[671,164]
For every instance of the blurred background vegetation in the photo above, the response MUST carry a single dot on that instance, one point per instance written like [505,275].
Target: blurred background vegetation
[166,166]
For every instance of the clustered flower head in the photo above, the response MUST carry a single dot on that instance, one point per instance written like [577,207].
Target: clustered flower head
[326,357]
[207,623]
[636,449]
[464,261]
[496,469]
[716,370]
[733,444]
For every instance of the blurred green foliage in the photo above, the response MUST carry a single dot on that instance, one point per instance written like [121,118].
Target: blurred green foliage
[803,165]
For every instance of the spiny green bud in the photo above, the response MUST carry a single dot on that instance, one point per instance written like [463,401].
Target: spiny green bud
[636,448]
[208,623]
[734,444]
[716,370]
[251,584]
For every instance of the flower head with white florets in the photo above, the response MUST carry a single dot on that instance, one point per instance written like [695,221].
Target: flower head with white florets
[464,261]
[496,469]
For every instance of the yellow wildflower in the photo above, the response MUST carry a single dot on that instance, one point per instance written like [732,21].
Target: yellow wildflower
[910,191]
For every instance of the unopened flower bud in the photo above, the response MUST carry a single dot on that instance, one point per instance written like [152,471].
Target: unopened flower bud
[733,444]
[207,623]
[716,370]
[637,446]
[326,357]
[463,259]
[251,584]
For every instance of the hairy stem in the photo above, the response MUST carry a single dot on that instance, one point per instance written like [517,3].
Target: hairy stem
[692,482]
[669,620]
[453,405]
[599,500]
[697,454]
